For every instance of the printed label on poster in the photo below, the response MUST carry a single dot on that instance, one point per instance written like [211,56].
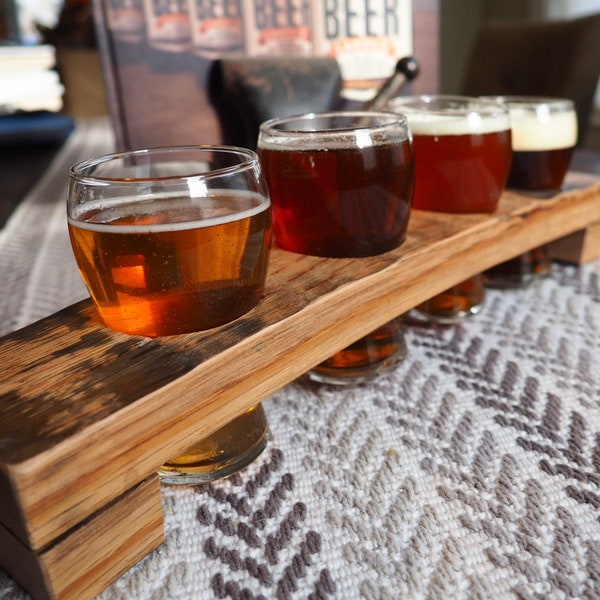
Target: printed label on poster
[278,27]
[217,28]
[168,24]
[366,36]
[126,20]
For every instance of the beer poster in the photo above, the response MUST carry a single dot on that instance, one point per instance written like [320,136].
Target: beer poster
[217,27]
[158,54]
[168,24]
[367,38]
[278,27]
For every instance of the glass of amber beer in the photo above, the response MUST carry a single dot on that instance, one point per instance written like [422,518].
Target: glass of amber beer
[544,135]
[170,241]
[341,184]
[462,158]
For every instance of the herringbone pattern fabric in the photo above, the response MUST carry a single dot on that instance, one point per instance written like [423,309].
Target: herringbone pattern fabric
[472,471]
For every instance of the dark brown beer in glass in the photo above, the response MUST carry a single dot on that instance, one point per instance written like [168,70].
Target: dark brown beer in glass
[341,185]
[544,135]
[170,241]
[462,157]
[347,203]
[542,170]
[341,202]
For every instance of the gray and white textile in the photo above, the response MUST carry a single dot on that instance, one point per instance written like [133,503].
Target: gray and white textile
[472,471]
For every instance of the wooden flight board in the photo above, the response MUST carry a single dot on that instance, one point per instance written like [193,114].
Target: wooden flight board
[87,413]
[86,560]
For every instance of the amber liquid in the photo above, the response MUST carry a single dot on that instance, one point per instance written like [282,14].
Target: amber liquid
[376,353]
[171,269]
[455,303]
[342,202]
[220,454]
[461,173]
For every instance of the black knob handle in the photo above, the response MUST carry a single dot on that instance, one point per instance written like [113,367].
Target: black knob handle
[406,70]
[408,66]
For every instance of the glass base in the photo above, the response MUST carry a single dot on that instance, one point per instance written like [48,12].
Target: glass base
[223,453]
[454,305]
[521,271]
[441,319]
[377,353]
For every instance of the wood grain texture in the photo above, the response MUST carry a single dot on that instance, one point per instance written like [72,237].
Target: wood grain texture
[86,413]
[90,557]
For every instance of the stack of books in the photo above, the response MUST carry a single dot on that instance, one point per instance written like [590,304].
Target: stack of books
[28,79]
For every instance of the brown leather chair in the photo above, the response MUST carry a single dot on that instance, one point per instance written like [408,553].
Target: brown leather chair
[549,58]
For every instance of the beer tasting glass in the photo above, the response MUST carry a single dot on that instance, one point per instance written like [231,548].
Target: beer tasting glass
[341,184]
[544,135]
[462,157]
[171,241]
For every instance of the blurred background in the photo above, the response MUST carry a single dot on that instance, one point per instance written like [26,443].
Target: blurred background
[444,33]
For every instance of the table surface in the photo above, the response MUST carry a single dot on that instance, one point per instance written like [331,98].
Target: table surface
[471,471]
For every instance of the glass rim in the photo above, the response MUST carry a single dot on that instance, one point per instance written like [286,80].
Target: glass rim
[472,104]
[533,101]
[76,171]
[271,126]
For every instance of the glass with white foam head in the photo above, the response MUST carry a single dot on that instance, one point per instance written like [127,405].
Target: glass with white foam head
[544,135]
[462,156]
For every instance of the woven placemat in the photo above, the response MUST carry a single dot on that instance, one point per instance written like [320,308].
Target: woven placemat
[471,471]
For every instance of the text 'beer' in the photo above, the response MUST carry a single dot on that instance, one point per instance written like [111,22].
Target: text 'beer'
[174,267]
